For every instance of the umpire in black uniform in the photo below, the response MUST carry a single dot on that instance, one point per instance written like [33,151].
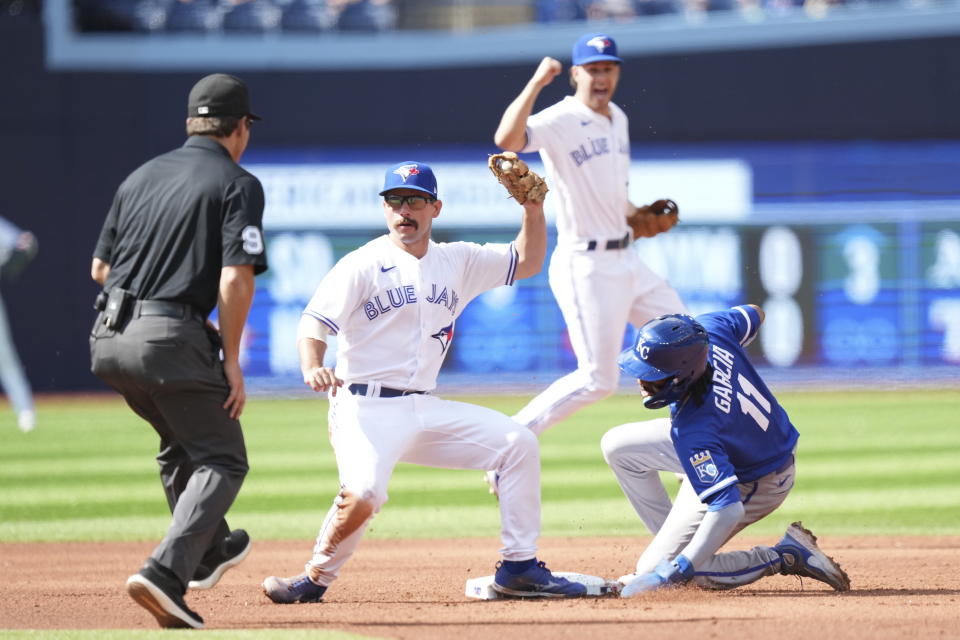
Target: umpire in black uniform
[184,235]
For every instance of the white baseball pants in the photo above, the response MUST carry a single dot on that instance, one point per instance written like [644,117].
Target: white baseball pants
[636,452]
[12,377]
[598,293]
[371,435]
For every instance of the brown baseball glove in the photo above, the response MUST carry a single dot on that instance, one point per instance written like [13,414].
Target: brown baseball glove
[656,217]
[514,174]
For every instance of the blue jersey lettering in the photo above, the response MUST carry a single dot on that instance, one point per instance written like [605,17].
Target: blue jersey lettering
[398,297]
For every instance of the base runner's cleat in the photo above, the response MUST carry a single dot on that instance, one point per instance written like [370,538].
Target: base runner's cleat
[800,556]
[532,579]
[296,589]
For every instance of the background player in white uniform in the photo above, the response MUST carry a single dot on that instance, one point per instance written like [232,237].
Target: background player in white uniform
[599,283]
[17,248]
[393,304]
[733,440]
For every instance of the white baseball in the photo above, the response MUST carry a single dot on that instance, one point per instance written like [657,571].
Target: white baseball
[506,166]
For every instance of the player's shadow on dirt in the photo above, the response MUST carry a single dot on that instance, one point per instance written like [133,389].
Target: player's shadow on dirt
[540,623]
[865,593]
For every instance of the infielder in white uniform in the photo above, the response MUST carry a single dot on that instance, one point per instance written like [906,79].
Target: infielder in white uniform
[599,282]
[15,244]
[393,304]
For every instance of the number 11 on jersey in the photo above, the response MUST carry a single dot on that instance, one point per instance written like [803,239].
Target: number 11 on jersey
[748,407]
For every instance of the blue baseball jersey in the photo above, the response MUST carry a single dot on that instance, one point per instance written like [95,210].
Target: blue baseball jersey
[739,432]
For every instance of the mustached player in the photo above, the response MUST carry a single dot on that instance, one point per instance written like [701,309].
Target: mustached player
[393,304]
[599,283]
[731,438]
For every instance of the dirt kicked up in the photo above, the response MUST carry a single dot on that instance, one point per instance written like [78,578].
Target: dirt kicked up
[901,587]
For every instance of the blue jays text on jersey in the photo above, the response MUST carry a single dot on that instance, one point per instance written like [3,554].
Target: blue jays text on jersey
[594,147]
[396,297]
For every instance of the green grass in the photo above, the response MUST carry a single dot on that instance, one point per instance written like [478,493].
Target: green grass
[869,463]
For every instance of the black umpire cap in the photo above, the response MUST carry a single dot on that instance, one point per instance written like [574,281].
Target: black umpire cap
[219,94]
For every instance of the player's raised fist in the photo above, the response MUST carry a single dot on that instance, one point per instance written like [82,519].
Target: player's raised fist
[549,69]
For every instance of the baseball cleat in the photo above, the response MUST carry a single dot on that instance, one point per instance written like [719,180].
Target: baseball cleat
[296,589]
[800,556]
[229,553]
[27,420]
[162,596]
[533,580]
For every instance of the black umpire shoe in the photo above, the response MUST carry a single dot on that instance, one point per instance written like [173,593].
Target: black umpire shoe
[159,591]
[229,553]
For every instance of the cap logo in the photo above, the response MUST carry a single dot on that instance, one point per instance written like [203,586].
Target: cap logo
[406,171]
[644,351]
[599,43]
[203,110]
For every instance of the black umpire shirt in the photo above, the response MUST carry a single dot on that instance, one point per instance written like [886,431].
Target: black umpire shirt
[177,220]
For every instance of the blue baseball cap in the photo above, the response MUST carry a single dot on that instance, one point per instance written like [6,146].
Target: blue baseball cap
[595,47]
[410,175]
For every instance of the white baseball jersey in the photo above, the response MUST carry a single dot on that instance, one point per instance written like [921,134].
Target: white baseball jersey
[598,290]
[394,314]
[587,159]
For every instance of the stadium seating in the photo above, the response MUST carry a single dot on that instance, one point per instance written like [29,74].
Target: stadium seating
[196,16]
[259,16]
[312,16]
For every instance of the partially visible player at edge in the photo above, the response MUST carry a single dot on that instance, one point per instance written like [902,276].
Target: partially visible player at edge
[599,282]
[393,304]
[731,438]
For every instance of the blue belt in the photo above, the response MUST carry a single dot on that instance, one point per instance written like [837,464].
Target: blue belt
[786,465]
[385,392]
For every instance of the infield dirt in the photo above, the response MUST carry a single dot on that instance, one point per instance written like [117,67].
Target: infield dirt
[902,587]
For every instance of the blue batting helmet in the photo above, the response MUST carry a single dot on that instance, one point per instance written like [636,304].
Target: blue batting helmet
[672,348]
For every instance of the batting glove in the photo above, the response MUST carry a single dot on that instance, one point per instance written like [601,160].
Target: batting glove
[669,573]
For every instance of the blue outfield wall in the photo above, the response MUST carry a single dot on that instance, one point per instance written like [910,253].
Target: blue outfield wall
[72,132]
[853,250]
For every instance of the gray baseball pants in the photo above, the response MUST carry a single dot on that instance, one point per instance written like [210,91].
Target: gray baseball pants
[169,372]
[636,453]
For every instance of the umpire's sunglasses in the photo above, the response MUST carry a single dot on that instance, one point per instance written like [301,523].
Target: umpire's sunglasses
[414,202]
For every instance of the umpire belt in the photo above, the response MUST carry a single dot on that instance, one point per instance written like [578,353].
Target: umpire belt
[608,245]
[166,309]
[376,391]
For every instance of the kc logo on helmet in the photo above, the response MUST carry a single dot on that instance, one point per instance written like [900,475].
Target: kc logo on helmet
[406,171]
[644,351]
[599,43]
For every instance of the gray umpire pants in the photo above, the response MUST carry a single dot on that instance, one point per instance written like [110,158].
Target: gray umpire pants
[169,372]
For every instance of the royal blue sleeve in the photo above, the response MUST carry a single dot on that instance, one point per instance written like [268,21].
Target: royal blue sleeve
[740,323]
[704,460]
